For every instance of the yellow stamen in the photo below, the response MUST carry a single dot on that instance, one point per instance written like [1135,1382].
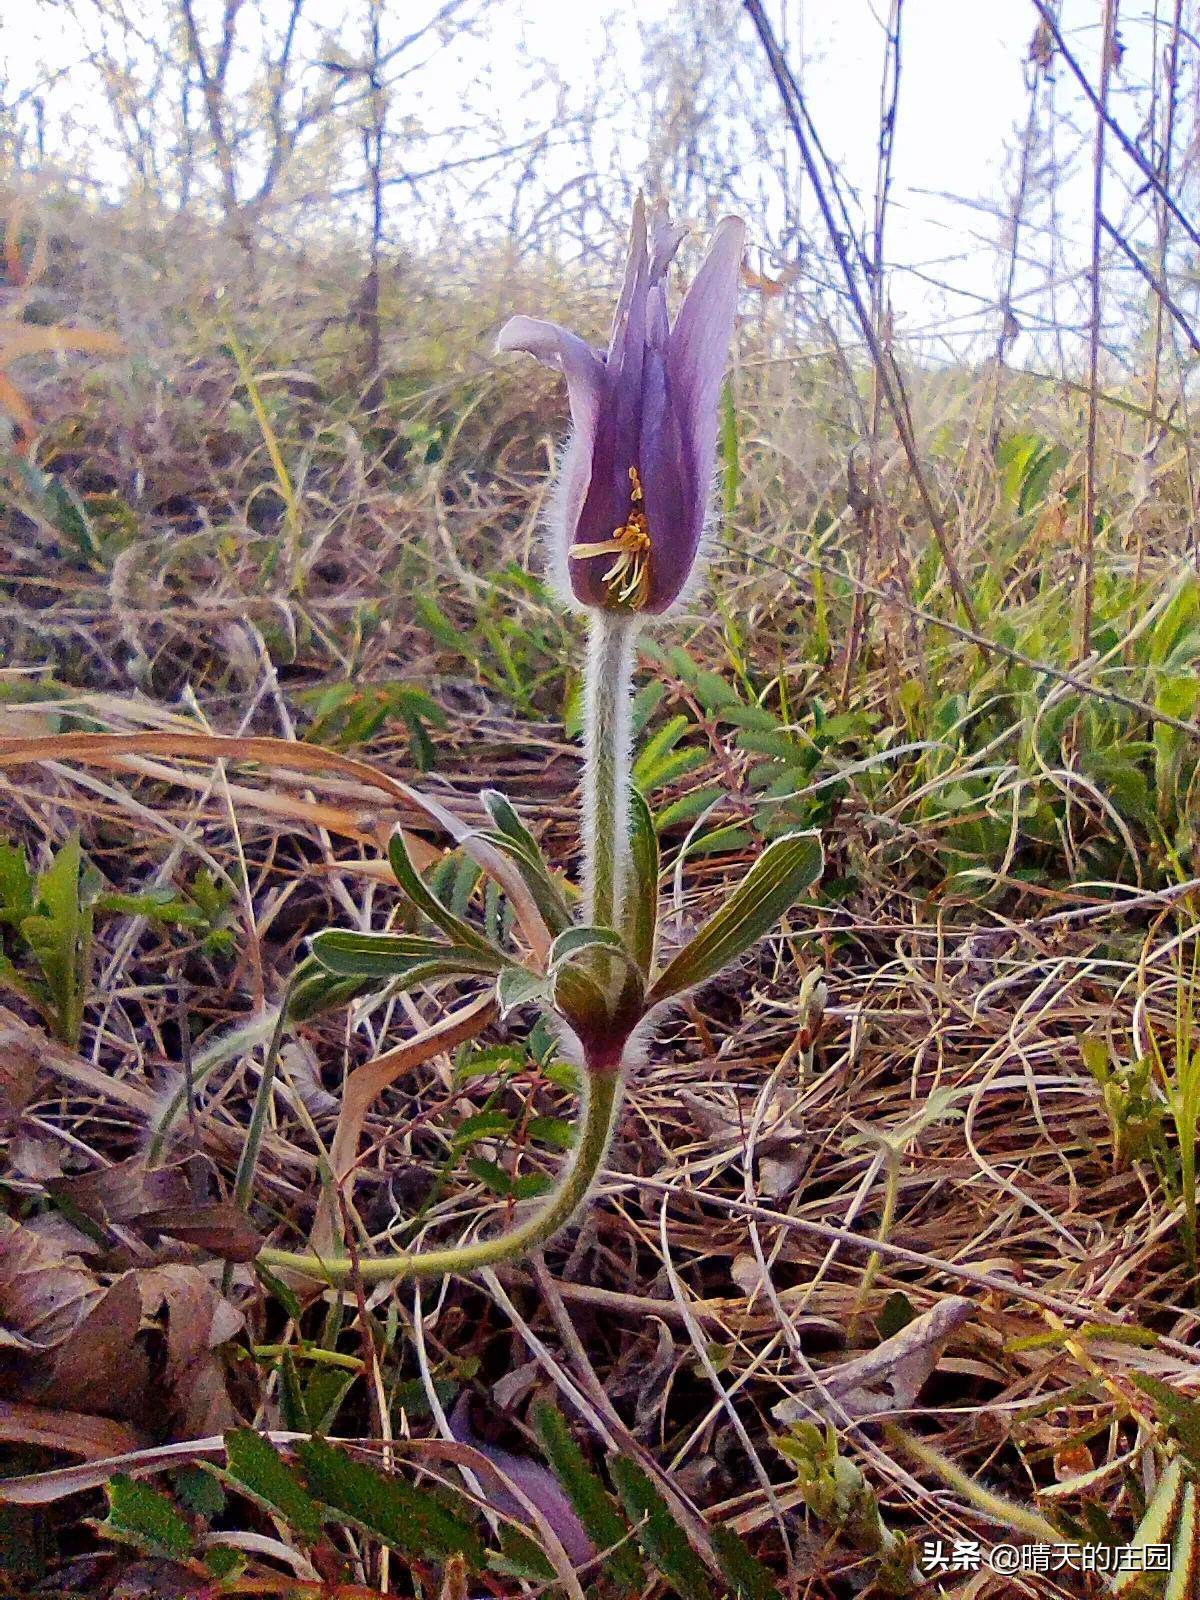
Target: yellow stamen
[628,578]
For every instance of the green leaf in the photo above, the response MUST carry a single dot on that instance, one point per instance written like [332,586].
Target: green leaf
[515,839]
[143,1516]
[406,1518]
[482,1125]
[555,1131]
[324,1394]
[1181,1585]
[653,762]
[395,955]
[641,899]
[526,1187]
[730,467]
[748,1579]
[520,1556]
[413,885]
[575,940]
[1159,1518]
[59,933]
[660,1536]
[159,905]
[592,1504]
[517,986]
[16,884]
[314,990]
[256,1467]
[200,1490]
[786,868]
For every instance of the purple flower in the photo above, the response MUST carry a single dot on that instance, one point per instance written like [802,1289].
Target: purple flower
[636,479]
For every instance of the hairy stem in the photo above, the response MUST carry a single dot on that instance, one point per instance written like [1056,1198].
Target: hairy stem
[602,1100]
[607,759]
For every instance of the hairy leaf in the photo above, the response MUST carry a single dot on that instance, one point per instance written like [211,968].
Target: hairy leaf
[786,868]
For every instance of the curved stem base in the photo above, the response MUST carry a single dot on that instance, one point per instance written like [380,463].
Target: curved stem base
[602,1101]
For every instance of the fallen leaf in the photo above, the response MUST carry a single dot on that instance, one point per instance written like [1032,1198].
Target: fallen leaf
[886,1379]
[44,1293]
[76,1433]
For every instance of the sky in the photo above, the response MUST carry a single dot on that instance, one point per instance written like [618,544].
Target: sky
[963,100]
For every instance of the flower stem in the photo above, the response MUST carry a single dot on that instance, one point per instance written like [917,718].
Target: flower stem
[601,1102]
[607,760]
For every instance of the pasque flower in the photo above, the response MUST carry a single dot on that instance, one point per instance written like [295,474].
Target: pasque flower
[636,481]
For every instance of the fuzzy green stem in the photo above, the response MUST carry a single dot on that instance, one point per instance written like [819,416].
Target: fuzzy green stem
[607,762]
[601,1103]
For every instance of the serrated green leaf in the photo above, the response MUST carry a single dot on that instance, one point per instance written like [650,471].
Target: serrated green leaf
[747,1577]
[592,1504]
[141,1515]
[260,1471]
[59,934]
[662,1539]
[671,768]
[786,868]
[555,1131]
[641,899]
[657,750]
[688,807]
[483,1125]
[16,884]
[406,1518]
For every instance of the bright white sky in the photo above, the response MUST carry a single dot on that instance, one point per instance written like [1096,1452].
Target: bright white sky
[963,99]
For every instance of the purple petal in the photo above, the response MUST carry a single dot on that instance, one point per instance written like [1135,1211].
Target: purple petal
[666,484]
[535,1482]
[587,390]
[697,355]
[567,353]
[665,238]
[635,277]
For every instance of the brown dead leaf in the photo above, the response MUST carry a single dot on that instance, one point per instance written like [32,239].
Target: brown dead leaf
[76,1433]
[888,1378]
[44,1293]
[19,1071]
[143,1349]
[102,1366]
[171,1201]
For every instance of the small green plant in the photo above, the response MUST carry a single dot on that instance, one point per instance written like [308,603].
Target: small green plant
[47,927]
[345,714]
[836,1491]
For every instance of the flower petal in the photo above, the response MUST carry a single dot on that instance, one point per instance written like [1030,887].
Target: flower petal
[634,281]
[534,1481]
[567,353]
[665,238]
[697,355]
